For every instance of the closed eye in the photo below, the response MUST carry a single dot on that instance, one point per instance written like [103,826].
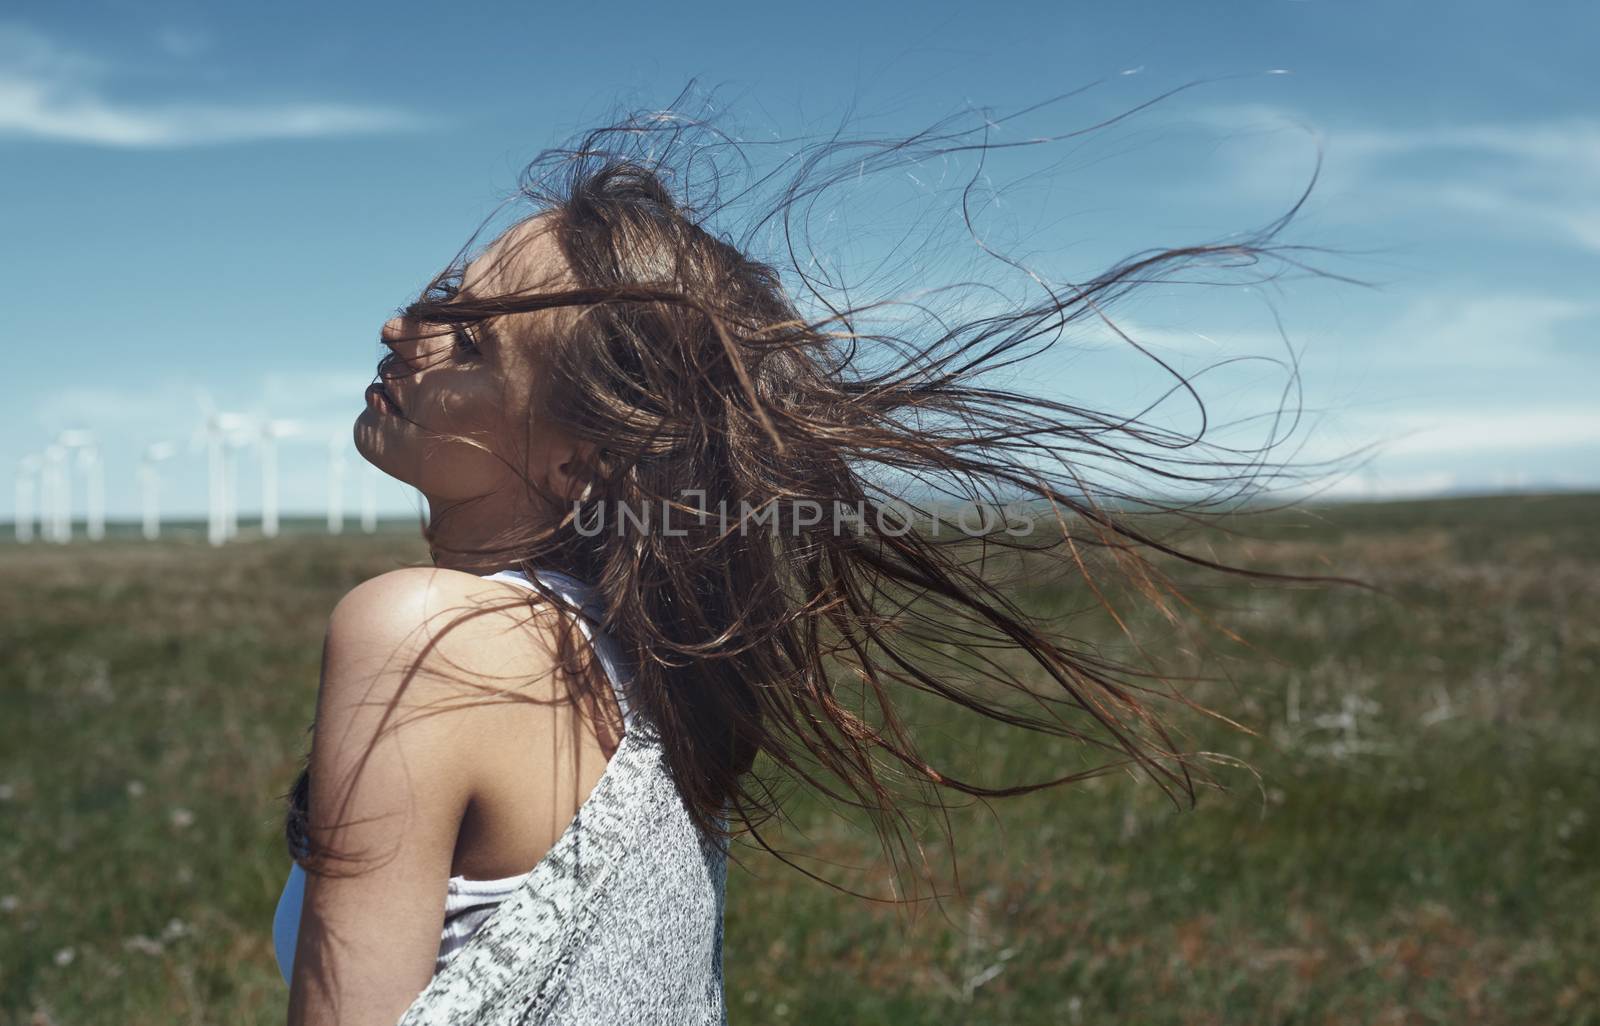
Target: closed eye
[465,346]
[465,343]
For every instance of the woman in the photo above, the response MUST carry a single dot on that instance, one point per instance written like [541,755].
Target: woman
[625,426]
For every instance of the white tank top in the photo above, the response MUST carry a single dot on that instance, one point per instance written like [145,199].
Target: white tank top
[468,903]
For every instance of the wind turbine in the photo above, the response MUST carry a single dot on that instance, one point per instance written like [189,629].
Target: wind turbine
[150,485]
[217,433]
[267,455]
[369,499]
[235,436]
[27,496]
[88,457]
[336,444]
[94,486]
[52,526]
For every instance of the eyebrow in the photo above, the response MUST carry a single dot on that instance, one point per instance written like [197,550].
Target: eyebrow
[484,328]
[488,332]
[461,282]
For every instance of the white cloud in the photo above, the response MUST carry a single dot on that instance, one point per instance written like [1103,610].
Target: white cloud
[1374,484]
[181,41]
[1575,220]
[52,92]
[1539,177]
[92,406]
[1484,430]
[1462,432]
[325,400]
[1216,343]
[324,403]
[1572,144]
[1485,331]
[27,52]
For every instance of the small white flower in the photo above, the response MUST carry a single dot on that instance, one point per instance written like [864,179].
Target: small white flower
[9,903]
[7,792]
[65,956]
[174,929]
[182,818]
[147,945]
[135,788]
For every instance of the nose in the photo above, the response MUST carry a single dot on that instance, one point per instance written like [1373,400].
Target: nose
[409,346]
[391,329]
[396,362]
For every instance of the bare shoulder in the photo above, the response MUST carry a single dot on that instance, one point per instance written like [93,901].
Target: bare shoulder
[407,731]
[437,666]
[429,597]
[421,640]
[435,619]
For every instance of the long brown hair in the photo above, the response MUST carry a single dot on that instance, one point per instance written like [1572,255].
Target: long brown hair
[786,652]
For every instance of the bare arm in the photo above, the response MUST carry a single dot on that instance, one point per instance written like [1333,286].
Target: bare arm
[367,943]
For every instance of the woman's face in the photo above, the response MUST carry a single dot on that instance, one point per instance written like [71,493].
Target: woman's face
[476,381]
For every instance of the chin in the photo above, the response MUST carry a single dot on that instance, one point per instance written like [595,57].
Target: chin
[372,444]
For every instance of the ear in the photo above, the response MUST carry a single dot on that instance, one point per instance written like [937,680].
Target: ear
[570,470]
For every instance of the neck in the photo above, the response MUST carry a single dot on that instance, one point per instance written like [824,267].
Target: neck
[477,536]
[483,535]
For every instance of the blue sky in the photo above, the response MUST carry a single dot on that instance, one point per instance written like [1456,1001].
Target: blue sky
[231,200]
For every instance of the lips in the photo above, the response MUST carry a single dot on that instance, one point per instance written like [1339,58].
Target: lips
[379,396]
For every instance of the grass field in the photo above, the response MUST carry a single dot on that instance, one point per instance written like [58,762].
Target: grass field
[1423,844]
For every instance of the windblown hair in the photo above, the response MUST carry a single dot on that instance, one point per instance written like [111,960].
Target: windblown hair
[786,653]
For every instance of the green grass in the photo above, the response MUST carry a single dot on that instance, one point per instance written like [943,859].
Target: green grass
[1436,863]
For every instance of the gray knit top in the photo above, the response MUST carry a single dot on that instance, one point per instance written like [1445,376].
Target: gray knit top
[621,921]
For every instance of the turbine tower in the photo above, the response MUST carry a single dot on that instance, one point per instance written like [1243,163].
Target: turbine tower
[150,486]
[369,499]
[336,445]
[217,433]
[52,525]
[88,458]
[235,436]
[27,497]
[267,456]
